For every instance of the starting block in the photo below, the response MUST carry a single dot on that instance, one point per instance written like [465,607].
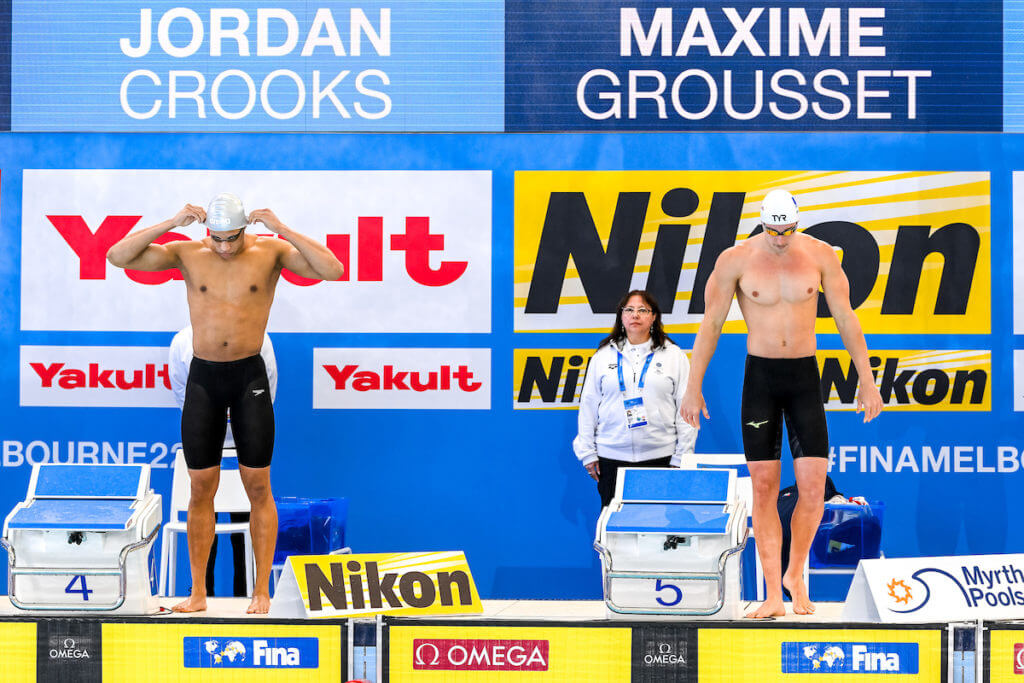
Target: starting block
[79,540]
[670,541]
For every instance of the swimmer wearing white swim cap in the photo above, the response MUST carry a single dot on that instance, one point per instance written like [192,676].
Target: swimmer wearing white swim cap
[230,278]
[776,275]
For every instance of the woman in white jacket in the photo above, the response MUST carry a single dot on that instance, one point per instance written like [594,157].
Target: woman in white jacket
[629,409]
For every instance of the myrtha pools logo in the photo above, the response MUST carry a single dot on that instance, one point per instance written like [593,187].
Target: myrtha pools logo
[979,587]
[848,658]
[251,653]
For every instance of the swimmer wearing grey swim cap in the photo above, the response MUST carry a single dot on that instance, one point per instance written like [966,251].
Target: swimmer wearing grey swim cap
[230,278]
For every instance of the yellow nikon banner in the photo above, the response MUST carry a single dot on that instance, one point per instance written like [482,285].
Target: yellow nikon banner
[471,654]
[383,583]
[222,651]
[20,650]
[916,246]
[1005,654]
[548,379]
[766,655]
[918,380]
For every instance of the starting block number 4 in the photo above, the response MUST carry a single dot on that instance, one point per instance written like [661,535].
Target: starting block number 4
[84,590]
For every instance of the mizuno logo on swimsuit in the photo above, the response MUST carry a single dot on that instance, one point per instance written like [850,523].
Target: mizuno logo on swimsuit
[757,425]
[257,392]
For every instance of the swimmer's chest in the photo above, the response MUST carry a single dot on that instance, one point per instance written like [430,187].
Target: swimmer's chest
[236,281]
[769,281]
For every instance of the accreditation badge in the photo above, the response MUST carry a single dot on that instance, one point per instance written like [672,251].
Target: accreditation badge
[636,415]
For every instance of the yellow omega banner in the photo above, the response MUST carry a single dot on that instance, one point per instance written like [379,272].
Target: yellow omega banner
[1005,655]
[918,380]
[471,654]
[221,651]
[20,650]
[769,655]
[916,246]
[381,583]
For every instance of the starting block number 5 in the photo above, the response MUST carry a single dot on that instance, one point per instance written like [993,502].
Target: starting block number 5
[84,590]
[673,596]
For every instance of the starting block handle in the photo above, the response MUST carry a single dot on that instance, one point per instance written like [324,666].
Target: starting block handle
[120,571]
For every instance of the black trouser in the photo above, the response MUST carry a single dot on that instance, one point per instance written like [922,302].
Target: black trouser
[777,387]
[610,468]
[215,387]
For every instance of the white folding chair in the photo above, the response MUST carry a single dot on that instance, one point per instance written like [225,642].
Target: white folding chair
[230,497]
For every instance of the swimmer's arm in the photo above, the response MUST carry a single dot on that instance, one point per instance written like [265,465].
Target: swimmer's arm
[137,251]
[302,255]
[837,294]
[718,294]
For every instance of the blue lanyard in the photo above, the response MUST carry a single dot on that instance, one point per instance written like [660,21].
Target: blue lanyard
[643,373]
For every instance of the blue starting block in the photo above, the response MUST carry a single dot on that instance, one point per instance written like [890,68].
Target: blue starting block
[669,543]
[78,540]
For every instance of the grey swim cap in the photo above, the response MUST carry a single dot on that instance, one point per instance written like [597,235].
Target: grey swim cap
[225,213]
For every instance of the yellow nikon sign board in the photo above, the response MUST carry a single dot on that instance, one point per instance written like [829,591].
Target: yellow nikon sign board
[918,380]
[916,246]
[383,583]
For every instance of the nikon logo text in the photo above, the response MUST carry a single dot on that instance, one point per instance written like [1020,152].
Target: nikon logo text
[912,380]
[355,586]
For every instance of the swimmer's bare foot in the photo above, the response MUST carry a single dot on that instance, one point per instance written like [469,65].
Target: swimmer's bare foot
[768,608]
[260,604]
[798,594]
[194,603]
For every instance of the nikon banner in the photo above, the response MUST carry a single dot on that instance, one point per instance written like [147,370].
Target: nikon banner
[387,583]
[916,247]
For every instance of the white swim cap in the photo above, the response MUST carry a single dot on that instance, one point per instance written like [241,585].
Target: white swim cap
[225,213]
[779,208]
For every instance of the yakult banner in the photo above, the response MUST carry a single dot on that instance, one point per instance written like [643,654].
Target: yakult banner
[202,65]
[416,247]
[915,246]
[846,65]
[95,376]
[396,379]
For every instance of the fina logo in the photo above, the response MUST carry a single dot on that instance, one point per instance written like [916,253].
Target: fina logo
[849,658]
[251,653]
[1001,587]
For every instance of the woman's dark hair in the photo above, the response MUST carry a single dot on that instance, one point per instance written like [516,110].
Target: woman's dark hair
[618,333]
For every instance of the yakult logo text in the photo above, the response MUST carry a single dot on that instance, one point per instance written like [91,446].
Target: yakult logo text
[417,243]
[401,378]
[480,655]
[416,247]
[105,376]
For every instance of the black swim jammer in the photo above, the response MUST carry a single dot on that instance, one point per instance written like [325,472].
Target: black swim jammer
[214,387]
[777,387]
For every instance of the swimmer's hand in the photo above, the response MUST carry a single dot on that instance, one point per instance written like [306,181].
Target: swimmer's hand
[267,218]
[869,400]
[692,407]
[189,215]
